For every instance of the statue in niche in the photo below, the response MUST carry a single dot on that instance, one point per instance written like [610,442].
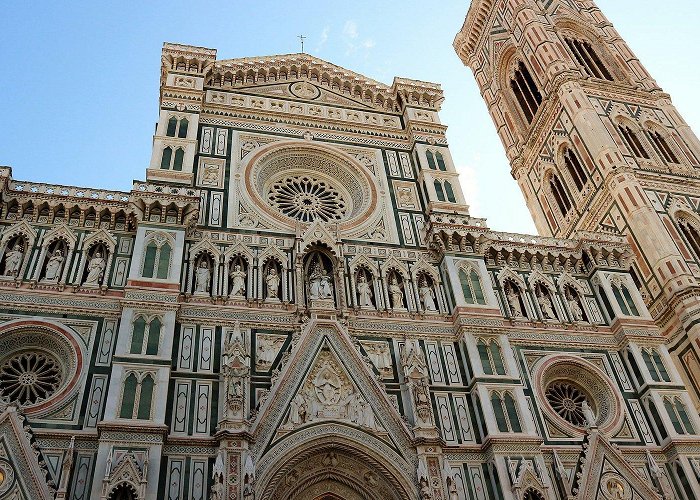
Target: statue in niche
[217,488]
[13,260]
[513,296]
[54,266]
[202,275]
[238,277]
[236,368]
[427,295]
[545,302]
[320,286]
[96,268]
[364,291]
[421,400]
[249,479]
[273,283]
[396,293]
[298,410]
[452,493]
[572,298]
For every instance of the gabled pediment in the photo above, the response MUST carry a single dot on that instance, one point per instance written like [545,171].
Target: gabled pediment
[25,478]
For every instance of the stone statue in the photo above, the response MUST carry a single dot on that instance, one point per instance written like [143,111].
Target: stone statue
[54,266]
[396,293]
[545,304]
[427,295]
[217,488]
[320,286]
[574,306]
[452,493]
[364,291]
[413,361]
[13,260]
[298,410]
[514,302]
[202,275]
[238,281]
[273,283]
[249,479]
[96,268]
[267,349]
[588,415]
[365,414]
[380,356]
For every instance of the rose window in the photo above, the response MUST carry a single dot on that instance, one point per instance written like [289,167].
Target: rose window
[566,399]
[29,377]
[306,198]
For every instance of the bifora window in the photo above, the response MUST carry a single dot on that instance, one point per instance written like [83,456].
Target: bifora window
[29,377]
[307,199]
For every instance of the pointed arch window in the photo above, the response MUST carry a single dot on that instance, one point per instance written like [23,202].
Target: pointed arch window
[575,169]
[490,355]
[172,127]
[440,161]
[471,287]
[559,194]
[656,418]
[587,57]
[662,146]
[624,299]
[182,131]
[691,234]
[679,415]
[431,160]
[156,262]
[129,396]
[526,92]
[633,142]
[179,157]
[439,191]
[145,399]
[137,397]
[166,158]
[655,365]
[145,336]
[506,413]
[450,192]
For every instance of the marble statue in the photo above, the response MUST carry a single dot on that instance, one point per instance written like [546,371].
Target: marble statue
[545,304]
[396,293]
[238,281]
[202,275]
[380,356]
[364,291]
[320,286]
[298,410]
[13,260]
[588,415]
[514,302]
[574,306]
[96,268]
[273,283]
[427,295]
[54,266]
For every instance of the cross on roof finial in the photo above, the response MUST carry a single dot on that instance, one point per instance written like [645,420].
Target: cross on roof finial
[302,38]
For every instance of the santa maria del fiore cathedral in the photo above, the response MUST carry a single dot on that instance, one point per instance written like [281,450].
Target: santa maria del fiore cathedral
[297,304]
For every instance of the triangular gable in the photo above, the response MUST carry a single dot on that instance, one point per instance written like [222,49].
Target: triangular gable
[605,470]
[320,343]
[317,232]
[29,478]
[303,90]
[20,228]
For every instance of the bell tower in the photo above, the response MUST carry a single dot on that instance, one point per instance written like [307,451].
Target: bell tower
[595,146]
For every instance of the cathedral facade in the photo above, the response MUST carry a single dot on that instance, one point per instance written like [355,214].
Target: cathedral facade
[297,303]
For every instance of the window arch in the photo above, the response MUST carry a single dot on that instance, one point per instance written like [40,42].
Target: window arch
[679,415]
[624,299]
[440,161]
[172,127]
[145,336]
[137,396]
[156,262]
[450,192]
[146,397]
[587,58]
[179,158]
[655,365]
[431,160]
[506,413]
[177,128]
[182,131]
[575,168]
[166,158]
[129,396]
[438,190]
[559,193]
[491,358]
[663,148]
[632,141]
[526,92]
[533,494]
[656,418]
[471,286]
[690,233]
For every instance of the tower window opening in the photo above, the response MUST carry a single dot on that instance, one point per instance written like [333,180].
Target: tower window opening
[633,142]
[560,195]
[526,92]
[662,147]
[575,168]
[585,55]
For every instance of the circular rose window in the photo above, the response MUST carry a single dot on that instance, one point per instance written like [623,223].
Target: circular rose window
[566,398]
[300,182]
[30,377]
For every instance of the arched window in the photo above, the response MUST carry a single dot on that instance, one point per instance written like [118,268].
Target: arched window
[144,411]
[655,365]
[624,300]
[450,193]
[576,170]
[490,355]
[137,336]
[153,337]
[679,415]
[499,412]
[657,419]
[471,287]
[506,413]
[145,336]
[156,254]
[440,161]
[129,397]
[662,146]
[172,127]
[167,156]
[683,480]
[513,419]
[560,196]
[179,157]
[633,142]
[586,57]
[526,92]
[182,131]
[431,160]
[438,190]
[691,234]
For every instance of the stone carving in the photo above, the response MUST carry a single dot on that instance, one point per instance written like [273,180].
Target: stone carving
[320,286]
[396,293]
[268,346]
[238,277]
[249,479]
[273,283]
[427,295]
[425,492]
[514,304]
[545,303]
[364,291]
[202,276]
[210,175]
[236,368]
[591,421]
[54,266]
[217,488]
[13,260]
[298,410]
[379,354]
[660,477]
[415,371]
[96,269]
[573,299]
[413,360]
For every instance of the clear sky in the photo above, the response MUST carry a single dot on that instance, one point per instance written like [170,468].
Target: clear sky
[79,85]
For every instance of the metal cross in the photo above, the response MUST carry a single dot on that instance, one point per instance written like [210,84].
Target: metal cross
[302,38]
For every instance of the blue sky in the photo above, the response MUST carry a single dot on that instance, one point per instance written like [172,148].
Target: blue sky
[79,89]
